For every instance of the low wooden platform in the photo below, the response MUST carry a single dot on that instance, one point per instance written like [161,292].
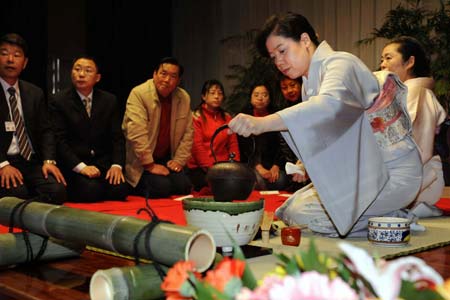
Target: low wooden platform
[69,279]
[62,280]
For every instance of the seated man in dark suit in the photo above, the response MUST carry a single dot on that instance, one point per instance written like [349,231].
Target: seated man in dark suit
[90,143]
[27,143]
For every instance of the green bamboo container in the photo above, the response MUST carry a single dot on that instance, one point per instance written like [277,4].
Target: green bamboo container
[128,283]
[13,249]
[168,243]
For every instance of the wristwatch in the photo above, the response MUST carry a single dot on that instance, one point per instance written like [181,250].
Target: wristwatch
[50,161]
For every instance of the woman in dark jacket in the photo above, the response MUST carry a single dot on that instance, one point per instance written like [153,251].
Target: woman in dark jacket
[265,156]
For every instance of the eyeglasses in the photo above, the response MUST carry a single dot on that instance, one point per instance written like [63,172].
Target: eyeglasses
[87,71]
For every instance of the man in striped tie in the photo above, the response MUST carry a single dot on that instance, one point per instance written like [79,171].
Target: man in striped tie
[27,144]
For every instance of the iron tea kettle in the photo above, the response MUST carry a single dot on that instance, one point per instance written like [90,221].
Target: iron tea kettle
[229,180]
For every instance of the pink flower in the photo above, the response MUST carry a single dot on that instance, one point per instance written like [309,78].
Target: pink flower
[312,286]
[387,280]
[262,291]
[307,286]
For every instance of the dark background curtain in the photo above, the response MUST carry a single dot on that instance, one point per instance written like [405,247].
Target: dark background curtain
[128,38]
[28,18]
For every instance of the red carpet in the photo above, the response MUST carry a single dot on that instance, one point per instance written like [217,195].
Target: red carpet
[171,209]
[165,209]
[444,204]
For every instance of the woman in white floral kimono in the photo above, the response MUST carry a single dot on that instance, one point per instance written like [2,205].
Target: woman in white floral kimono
[405,57]
[353,140]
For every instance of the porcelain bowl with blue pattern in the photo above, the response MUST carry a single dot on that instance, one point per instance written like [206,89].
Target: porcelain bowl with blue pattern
[389,231]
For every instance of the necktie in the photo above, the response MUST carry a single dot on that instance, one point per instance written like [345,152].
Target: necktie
[88,105]
[24,146]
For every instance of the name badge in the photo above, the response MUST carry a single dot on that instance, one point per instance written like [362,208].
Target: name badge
[10,126]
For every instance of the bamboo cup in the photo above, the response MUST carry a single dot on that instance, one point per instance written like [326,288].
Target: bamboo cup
[13,249]
[128,283]
[168,243]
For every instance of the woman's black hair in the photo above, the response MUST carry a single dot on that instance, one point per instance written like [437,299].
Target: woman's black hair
[409,46]
[205,89]
[282,77]
[271,106]
[290,25]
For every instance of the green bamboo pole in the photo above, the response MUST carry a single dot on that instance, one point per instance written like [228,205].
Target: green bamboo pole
[127,283]
[13,249]
[168,243]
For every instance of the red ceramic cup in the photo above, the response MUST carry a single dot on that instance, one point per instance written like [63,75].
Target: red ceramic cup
[291,235]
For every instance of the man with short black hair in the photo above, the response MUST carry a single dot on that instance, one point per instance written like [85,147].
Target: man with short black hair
[27,145]
[159,133]
[91,146]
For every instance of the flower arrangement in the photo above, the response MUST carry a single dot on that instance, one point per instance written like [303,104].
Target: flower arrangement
[310,275]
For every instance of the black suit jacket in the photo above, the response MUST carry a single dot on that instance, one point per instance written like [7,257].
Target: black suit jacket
[37,122]
[97,140]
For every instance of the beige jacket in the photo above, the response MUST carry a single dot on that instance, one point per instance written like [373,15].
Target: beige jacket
[141,127]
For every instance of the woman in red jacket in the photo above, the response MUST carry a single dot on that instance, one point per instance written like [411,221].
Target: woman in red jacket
[207,117]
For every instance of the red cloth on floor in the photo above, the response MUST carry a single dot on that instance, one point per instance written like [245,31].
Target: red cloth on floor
[444,204]
[166,209]
[172,210]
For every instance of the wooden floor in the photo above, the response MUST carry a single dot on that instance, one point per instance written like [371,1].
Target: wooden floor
[438,259]
[69,279]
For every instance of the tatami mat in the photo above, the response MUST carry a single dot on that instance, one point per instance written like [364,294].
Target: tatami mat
[437,234]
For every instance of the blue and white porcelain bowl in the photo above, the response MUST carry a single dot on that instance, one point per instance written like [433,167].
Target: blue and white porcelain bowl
[388,231]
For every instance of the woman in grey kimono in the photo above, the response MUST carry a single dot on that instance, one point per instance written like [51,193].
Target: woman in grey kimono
[351,132]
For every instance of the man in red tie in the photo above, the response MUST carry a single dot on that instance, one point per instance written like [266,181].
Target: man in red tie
[27,145]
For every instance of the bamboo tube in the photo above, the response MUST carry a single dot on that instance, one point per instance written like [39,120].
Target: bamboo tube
[13,249]
[266,224]
[168,243]
[118,284]
[128,283]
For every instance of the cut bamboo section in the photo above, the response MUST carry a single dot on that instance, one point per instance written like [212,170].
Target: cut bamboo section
[128,283]
[13,249]
[168,243]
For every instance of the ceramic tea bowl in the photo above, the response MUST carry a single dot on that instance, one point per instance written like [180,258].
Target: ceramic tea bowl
[390,232]
[240,220]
